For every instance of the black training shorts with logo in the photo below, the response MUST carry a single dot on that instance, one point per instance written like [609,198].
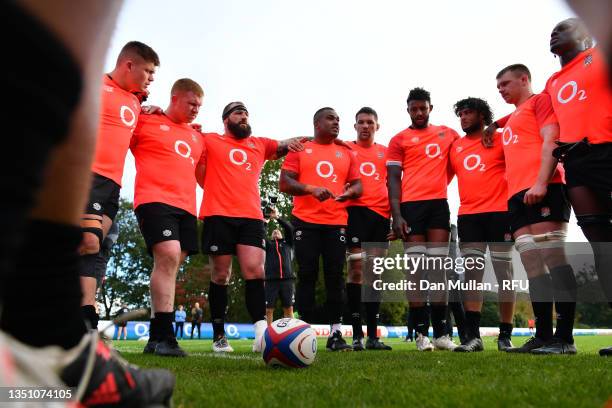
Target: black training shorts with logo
[160,222]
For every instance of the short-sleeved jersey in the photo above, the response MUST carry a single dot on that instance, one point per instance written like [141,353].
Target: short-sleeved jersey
[118,117]
[233,167]
[372,168]
[481,175]
[581,98]
[166,155]
[523,143]
[423,155]
[322,165]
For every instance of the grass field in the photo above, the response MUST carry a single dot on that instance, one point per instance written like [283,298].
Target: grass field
[402,377]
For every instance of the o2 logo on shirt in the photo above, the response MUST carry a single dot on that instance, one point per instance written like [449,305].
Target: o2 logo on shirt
[326,170]
[184,150]
[240,158]
[433,150]
[368,169]
[508,137]
[473,162]
[574,91]
[128,119]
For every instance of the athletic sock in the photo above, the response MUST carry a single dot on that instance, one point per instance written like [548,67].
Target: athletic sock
[255,298]
[505,330]
[565,287]
[438,320]
[51,277]
[217,298]
[164,324]
[153,330]
[541,293]
[421,320]
[90,316]
[353,294]
[472,320]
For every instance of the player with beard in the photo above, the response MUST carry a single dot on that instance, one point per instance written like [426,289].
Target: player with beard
[168,154]
[368,222]
[483,217]
[583,104]
[417,163]
[539,210]
[133,72]
[321,178]
[233,221]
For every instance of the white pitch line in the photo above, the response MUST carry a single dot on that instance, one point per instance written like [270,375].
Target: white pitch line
[226,356]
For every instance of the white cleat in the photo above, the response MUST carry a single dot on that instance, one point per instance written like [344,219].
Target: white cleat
[221,345]
[444,343]
[260,327]
[423,343]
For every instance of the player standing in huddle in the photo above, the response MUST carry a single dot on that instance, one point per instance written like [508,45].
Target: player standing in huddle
[321,178]
[233,221]
[169,154]
[417,162]
[483,217]
[539,209]
[580,95]
[368,222]
[133,72]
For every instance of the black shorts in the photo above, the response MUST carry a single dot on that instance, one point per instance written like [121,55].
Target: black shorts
[484,227]
[590,166]
[365,225]
[221,234]
[554,207]
[103,197]
[425,215]
[285,288]
[160,222]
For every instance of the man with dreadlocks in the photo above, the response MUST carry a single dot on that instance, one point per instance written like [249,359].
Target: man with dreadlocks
[483,217]
[583,105]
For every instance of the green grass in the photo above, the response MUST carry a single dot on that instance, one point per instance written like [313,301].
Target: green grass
[402,377]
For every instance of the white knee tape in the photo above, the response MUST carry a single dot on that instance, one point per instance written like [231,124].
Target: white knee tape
[472,252]
[553,239]
[354,257]
[503,256]
[416,250]
[437,251]
[525,243]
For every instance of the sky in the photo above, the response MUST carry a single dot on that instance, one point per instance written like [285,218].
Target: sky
[286,59]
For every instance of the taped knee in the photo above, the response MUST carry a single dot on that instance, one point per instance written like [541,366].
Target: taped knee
[501,256]
[472,253]
[552,239]
[441,251]
[354,257]
[525,243]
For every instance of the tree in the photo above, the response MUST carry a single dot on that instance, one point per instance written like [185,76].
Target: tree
[129,265]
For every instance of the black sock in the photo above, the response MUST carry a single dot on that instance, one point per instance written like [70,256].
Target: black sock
[421,320]
[217,298]
[541,293]
[164,324]
[153,331]
[438,320]
[372,308]
[472,320]
[51,277]
[90,316]
[565,288]
[255,298]
[505,330]
[353,294]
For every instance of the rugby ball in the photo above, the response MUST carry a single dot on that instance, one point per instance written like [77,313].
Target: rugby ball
[289,343]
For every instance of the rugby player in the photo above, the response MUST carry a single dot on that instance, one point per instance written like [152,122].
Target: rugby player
[483,218]
[417,162]
[168,154]
[538,208]
[368,222]
[133,72]
[233,221]
[71,38]
[322,177]
[581,99]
